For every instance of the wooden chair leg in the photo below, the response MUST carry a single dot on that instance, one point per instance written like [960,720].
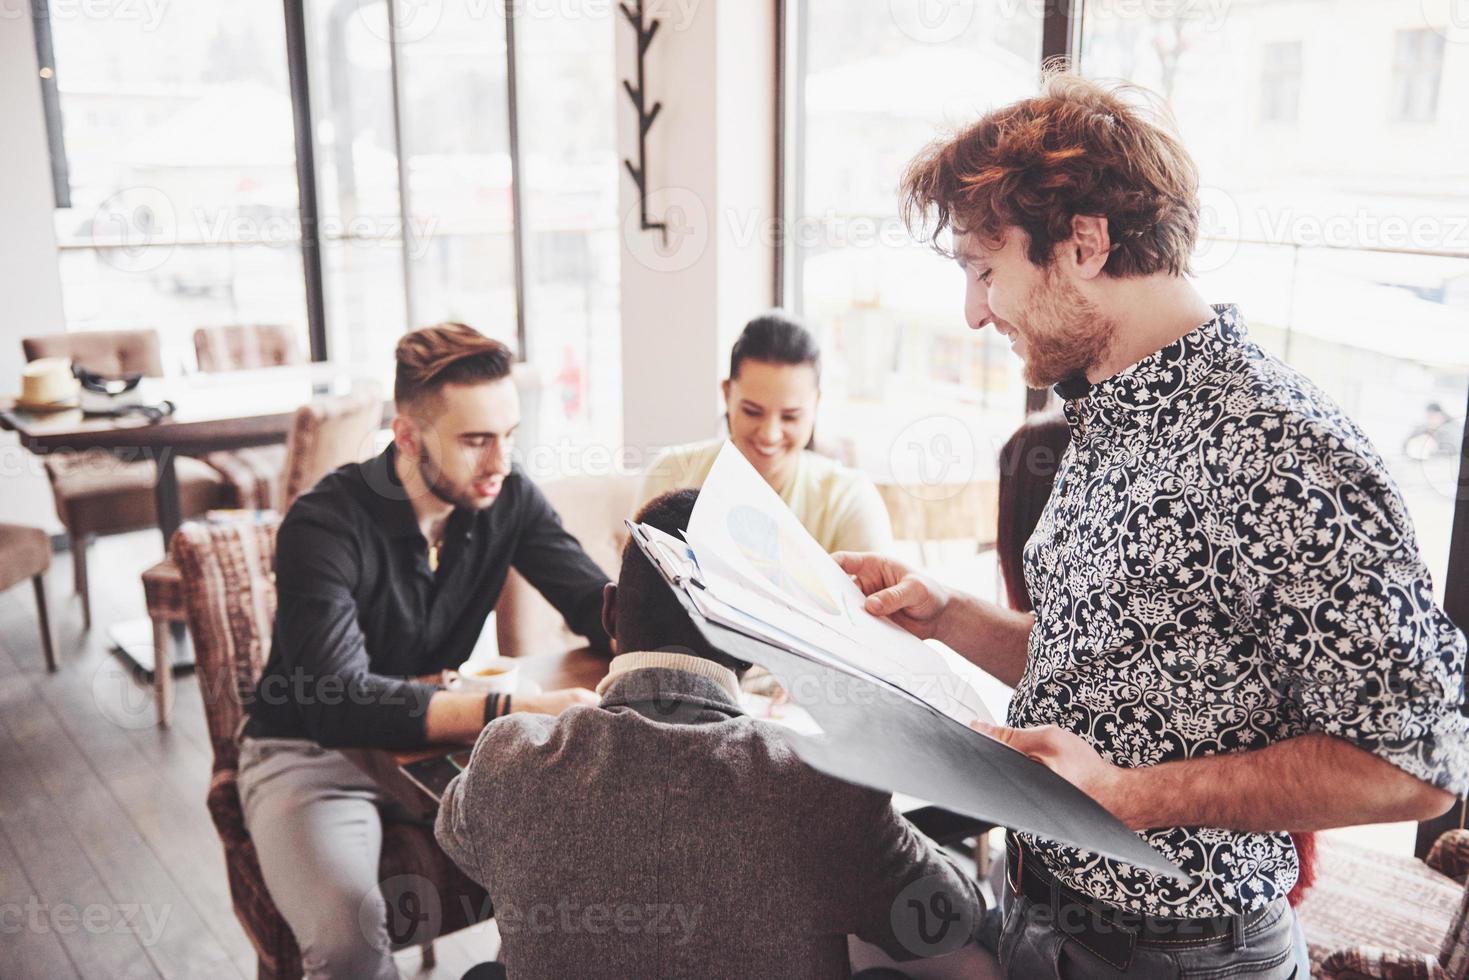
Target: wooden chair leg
[430,958]
[79,545]
[163,670]
[44,615]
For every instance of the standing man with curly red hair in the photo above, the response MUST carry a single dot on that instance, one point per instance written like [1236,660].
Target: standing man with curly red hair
[1234,635]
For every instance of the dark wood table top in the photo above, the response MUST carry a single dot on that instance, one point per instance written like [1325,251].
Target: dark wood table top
[218,410]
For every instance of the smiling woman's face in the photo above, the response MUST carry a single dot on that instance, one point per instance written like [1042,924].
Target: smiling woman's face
[772,413]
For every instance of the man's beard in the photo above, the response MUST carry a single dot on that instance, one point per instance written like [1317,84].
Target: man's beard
[1066,334]
[432,476]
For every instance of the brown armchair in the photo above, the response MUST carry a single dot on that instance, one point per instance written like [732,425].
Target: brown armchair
[252,476]
[1374,916]
[25,553]
[98,493]
[229,589]
[239,346]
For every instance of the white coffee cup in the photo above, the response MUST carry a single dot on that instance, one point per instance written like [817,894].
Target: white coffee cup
[493,675]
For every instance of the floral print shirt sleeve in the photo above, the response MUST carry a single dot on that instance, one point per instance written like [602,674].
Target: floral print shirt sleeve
[1225,563]
[1331,584]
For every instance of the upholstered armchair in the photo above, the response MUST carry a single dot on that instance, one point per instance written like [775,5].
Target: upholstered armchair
[252,476]
[237,347]
[326,433]
[1373,916]
[229,588]
[593,509]
[96,492]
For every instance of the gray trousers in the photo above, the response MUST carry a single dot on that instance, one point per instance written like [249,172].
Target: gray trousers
[314,819]
[1272,948]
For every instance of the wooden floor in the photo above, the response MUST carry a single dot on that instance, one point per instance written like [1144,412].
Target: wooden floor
[109,864]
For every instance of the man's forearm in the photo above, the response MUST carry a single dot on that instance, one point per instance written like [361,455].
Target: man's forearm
[454,716]
[989,636]
[1311,782]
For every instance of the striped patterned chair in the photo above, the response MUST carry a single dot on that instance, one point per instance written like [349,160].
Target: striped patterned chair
[327,433]
[1374,916]
[236,347]
[252,477]
[229,589]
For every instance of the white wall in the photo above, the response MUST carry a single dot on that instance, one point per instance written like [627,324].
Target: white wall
[30,281]
[710,173]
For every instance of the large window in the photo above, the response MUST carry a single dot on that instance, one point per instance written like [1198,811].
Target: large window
[570,167]
[180,137]
[920,398]
[1343,236]
[183,203]
[360,220]
[423,191]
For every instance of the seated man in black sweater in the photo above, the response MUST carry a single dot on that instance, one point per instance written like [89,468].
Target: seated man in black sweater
[386,572]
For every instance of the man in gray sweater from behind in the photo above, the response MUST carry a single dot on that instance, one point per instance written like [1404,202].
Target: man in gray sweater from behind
[665,833]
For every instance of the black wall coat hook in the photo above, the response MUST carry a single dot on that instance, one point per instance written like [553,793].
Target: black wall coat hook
[646,114]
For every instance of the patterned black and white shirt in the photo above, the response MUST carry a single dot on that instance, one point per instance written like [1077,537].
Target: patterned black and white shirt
[1225,563]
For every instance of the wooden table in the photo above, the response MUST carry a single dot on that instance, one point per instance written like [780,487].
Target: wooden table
[219,410]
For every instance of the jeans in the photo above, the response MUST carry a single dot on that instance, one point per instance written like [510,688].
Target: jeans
[1030,947]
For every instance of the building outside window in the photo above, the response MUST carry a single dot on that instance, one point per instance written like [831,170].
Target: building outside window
[183,201]
[1417,73]
[1280,81]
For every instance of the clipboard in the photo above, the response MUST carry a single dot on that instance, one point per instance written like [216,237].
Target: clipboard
[882,737]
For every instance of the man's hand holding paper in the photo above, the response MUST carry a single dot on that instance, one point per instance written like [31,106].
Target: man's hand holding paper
[754,556]
[912,601]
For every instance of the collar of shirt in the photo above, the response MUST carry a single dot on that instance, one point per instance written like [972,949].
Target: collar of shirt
[667,659]
[389,504]
[1134,398]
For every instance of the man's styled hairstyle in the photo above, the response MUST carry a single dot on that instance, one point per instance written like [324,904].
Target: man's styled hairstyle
[648,615]
[444,354]
[1078,148]
[775,338]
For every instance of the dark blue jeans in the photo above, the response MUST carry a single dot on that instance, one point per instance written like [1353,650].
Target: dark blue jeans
[1030,947]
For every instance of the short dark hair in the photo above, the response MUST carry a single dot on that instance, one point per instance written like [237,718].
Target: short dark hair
[649,617]
[444,354]
[1028,465]
[775,338]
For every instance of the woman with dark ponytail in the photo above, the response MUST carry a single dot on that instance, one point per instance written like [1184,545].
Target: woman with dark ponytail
[770,399]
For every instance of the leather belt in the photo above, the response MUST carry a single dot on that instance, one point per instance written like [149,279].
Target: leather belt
[1109,932]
